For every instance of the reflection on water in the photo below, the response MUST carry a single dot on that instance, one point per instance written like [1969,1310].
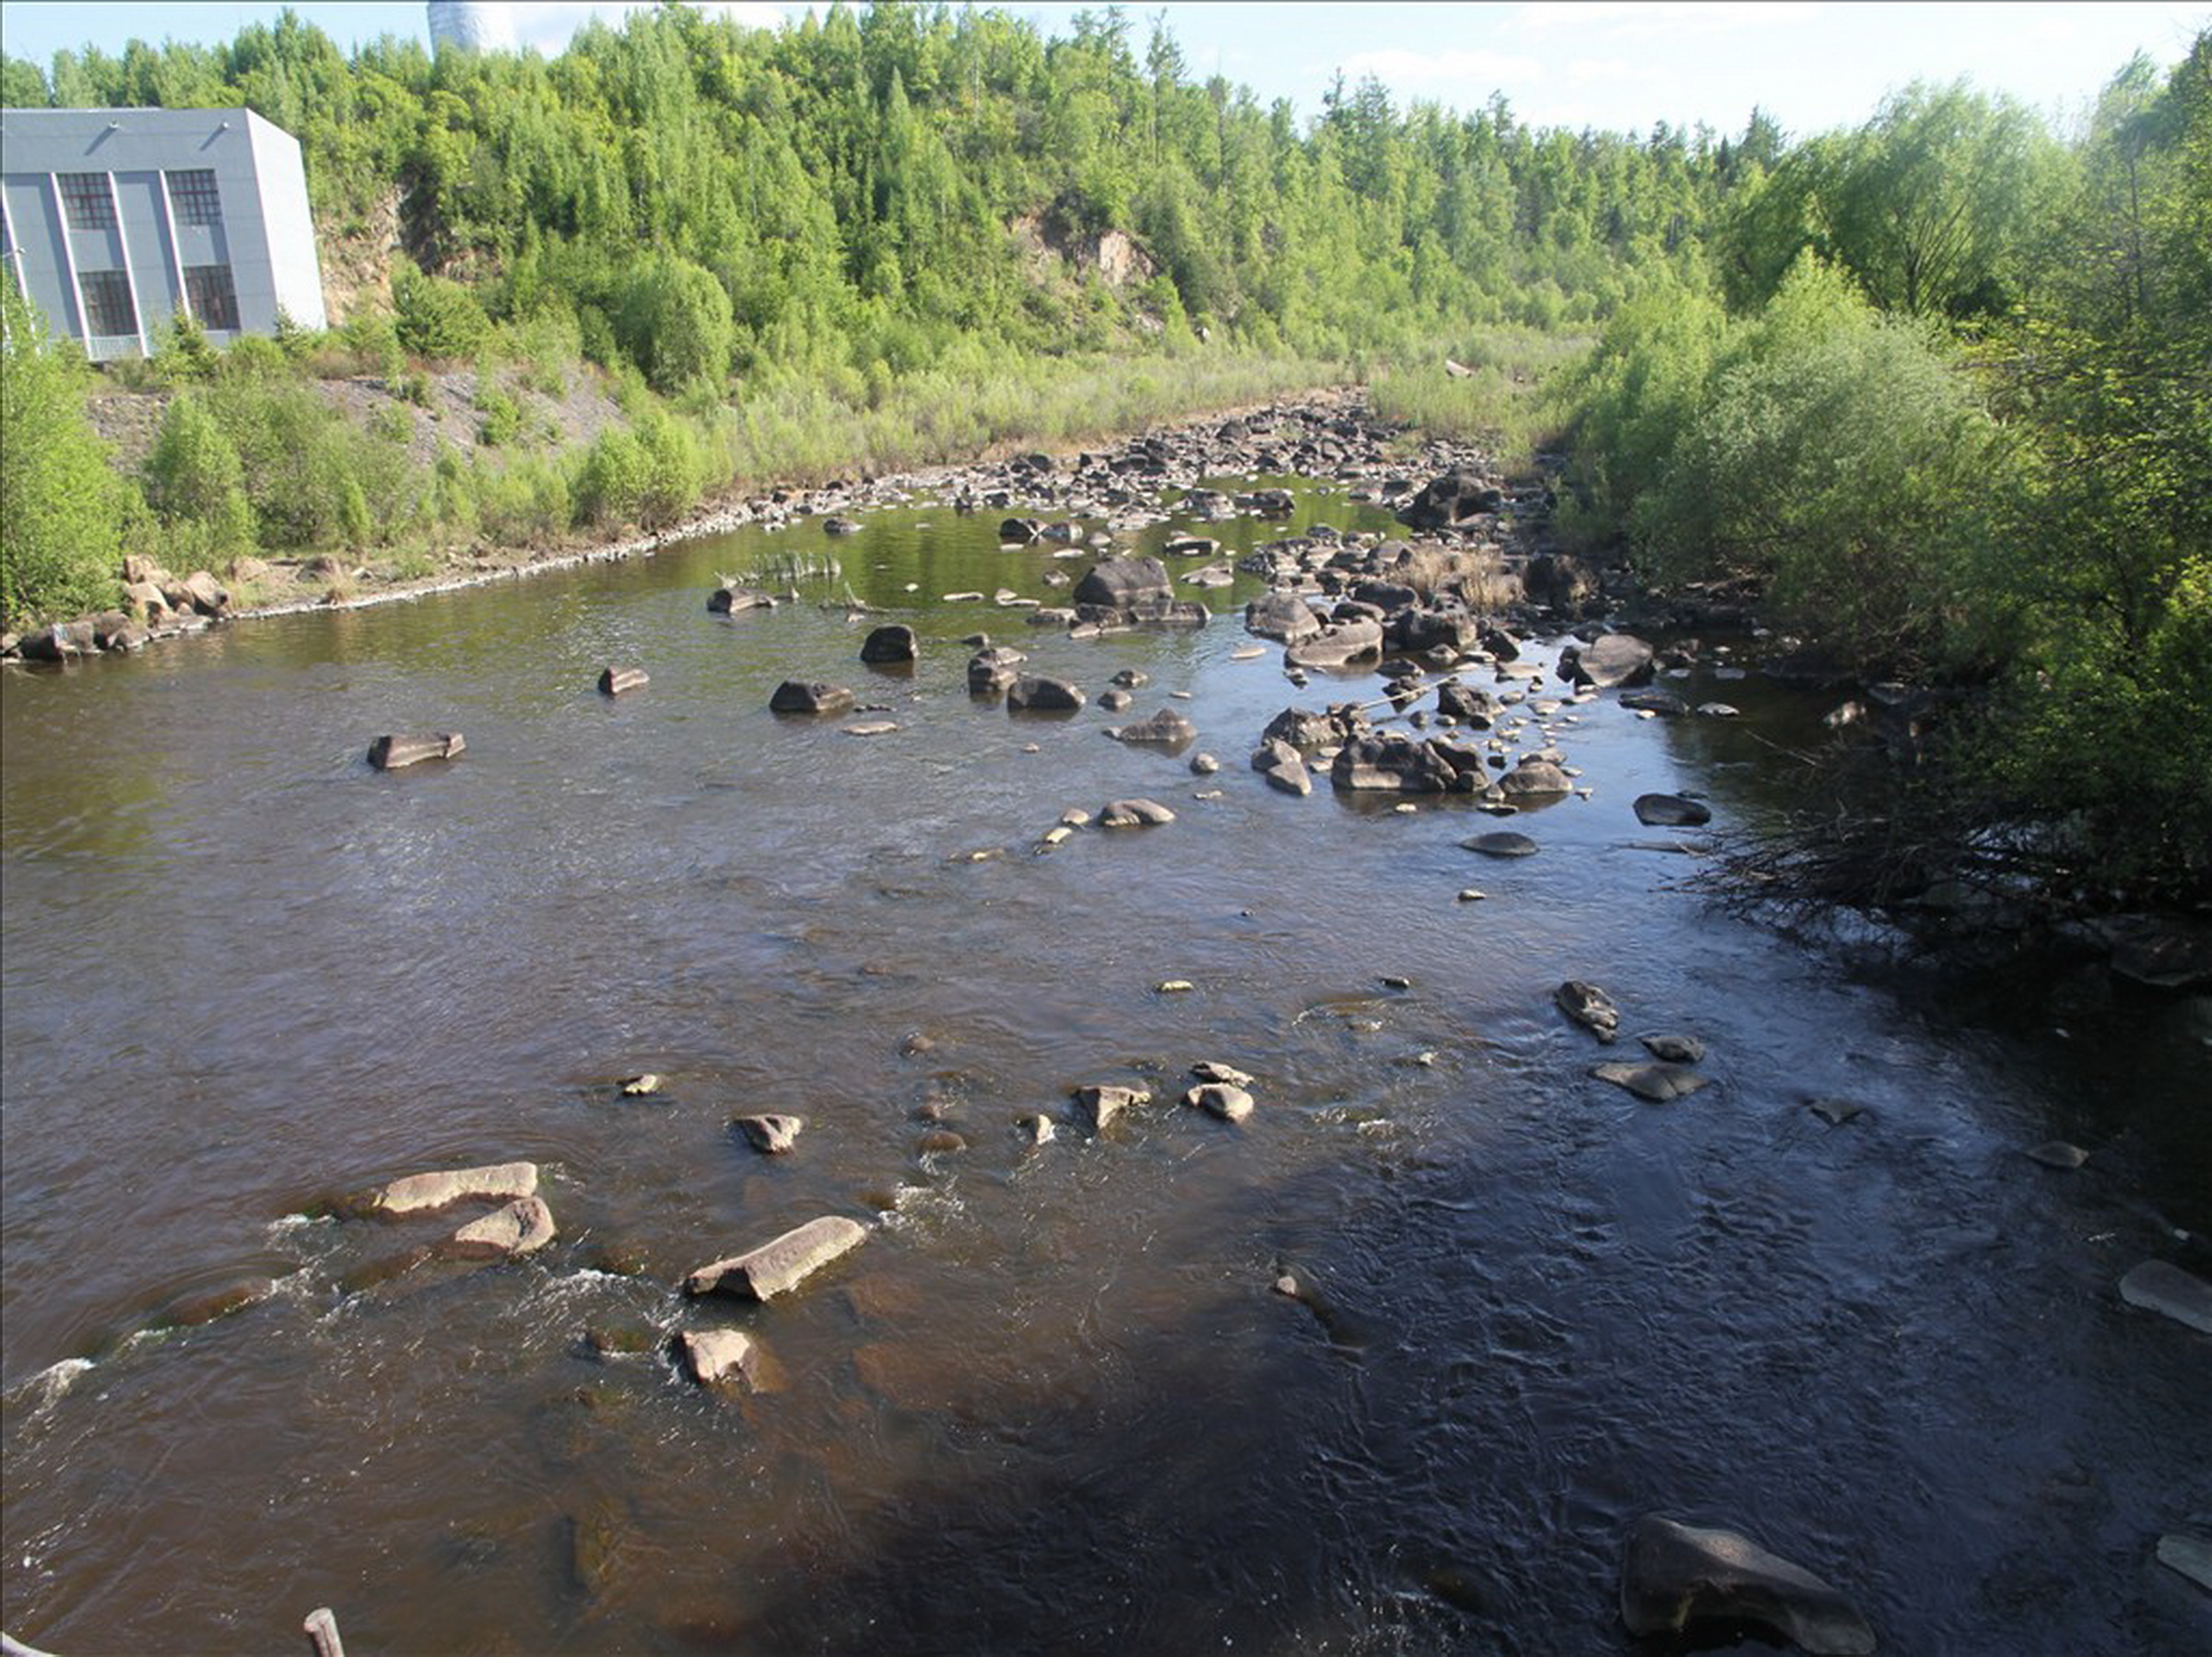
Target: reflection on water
[1053,1403]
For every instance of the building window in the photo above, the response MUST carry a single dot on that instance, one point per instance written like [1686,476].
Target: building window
[212,296]
[86,201]
[194,197]
[109,313]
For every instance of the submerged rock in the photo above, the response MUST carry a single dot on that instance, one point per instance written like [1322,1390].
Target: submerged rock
[2058,1154]
[1505,843]
[781,1265]
[2158,1286]
[1675,1575]
[1654,1080]
[1671,811]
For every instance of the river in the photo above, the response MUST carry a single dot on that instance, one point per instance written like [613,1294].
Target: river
[1053,1404]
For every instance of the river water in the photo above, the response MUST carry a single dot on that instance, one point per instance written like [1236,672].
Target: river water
[1051,1404]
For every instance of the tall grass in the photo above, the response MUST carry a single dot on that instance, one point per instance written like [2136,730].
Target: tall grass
[1509,399]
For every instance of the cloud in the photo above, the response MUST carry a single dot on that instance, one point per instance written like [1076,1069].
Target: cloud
[546,24]
[1396,66]
[1612,71]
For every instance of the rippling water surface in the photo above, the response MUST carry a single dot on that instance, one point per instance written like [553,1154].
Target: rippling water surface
[1052,1404]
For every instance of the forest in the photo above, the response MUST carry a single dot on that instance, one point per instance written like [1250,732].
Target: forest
[1938,385]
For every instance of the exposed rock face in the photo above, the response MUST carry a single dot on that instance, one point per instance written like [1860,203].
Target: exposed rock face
[1675,1575]
[425,1193]
[389,753]
[1101,1102]
[1589,1006]
[1134,814]
[810,696]
[719,1357]
[891,645]
[2157,1286]
[770,1134]
[1671,811]
[1391,764]
[777,1267]
[523,1227]
[1039,693]
[1166,729]
[1451,499]
[1613,659]
[1284,766]
[1283,616]
[1657,1081]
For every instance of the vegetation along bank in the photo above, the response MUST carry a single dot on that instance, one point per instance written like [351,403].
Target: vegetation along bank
[1932,395]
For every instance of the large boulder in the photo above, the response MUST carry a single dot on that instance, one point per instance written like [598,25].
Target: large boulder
[206,594]
[1533,780]
[1467,704]
[1102,1102]
[1125,583]
[1283,616]
[1039,693]
[1451,499]
[1675,1575]
[522,1226]
[810,696]
[1389,763]
[1424,627]
[426,1193]
[1301,728]
[719,1357]
[1609,660]
[891,645]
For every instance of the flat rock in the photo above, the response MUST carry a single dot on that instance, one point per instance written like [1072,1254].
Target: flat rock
[1589,1006]
[1675,1575]
[522,1226]
[1671,811]
[1220,1098]
[2158,1286]
[781,1265]
[719,1357]
[425,1193]
[1134,814]
[770,1134]
[1101,1102]
[1654,1080]
[1614,659]
[1674,1048]
[1505,843]
[389,753]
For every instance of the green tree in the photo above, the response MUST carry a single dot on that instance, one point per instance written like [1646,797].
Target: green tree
[195,482]
[61,505]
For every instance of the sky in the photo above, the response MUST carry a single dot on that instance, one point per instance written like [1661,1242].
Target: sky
[1619,64]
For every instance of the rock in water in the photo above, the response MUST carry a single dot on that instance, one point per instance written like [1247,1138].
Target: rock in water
[1675,1049]
[1166,729]
[1615,659]
[772,1134]
[1229,1103]
[779,1266]
[613,681]
[891,645]
[2192,1555]
[423,1193]
[1102,1102]
[2157,1286]
[1675,1575]
[1659,1082]
[1505,843]
[1590,1006]
[523,1227]
[1671,811]
[389,753]
[810,696]
[2058,1154]
[1039,693]
[715,1357]
[1134,814]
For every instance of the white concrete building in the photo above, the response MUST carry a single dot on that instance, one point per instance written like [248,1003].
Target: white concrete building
[113,220]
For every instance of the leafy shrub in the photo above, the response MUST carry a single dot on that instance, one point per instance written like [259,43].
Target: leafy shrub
[62,506]
[434,317]
[674,322]
[194,480]
[611,486]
